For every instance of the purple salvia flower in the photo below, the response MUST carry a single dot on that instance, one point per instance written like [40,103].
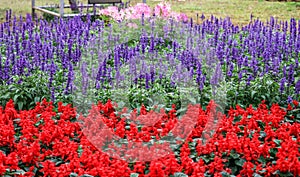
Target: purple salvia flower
[143,19]
[202,16]
[291,78]
[152,73]
[69,86]
[147,79]
[297,87]
[199,75]
[229,72]
[250,78]
[240,74]
[290,99]
[85,78]
[1,77]
[282,85]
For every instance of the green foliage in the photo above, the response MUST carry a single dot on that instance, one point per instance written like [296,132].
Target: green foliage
[106,19]
[178,174]
[263,88]
[49,17]
[161,93]
[32,89]
[134,175]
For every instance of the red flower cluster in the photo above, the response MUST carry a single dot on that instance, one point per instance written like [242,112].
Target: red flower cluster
[48,142]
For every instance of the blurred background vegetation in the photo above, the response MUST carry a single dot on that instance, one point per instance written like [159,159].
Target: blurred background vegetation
[238,10]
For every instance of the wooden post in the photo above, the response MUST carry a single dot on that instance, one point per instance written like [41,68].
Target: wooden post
[94,10]
[61,8]
[32,8]
[73,5]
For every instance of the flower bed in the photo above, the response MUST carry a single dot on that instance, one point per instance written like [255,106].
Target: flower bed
[153,55]
[257,61]
[48,141]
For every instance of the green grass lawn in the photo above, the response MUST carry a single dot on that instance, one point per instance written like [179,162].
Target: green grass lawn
[238,10]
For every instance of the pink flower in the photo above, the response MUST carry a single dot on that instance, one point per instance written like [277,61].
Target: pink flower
[142,8]
[112,11]
[132,25]
[179,16]
[162,9]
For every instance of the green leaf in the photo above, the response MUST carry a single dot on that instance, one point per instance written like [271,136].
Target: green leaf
[73,174]
[134,175]
[277,141]
[234,170]
[39,123]
[17,172]
[262,134]
[16,98]
[205,158]
[225,174]
[6,96]
[240,162]
[179,174]
[253,92]
[262,160]
[20,105]
[79,150]
[256,175]
[234,155]
[86,175]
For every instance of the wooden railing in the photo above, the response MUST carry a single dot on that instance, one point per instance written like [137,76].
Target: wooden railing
[73,6]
